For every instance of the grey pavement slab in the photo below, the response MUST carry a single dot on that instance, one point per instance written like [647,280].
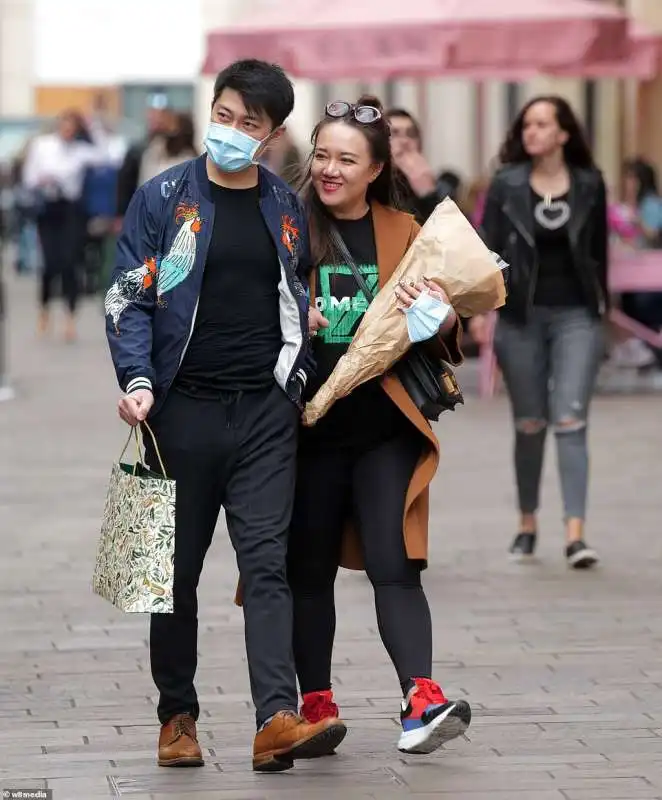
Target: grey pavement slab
[563,670]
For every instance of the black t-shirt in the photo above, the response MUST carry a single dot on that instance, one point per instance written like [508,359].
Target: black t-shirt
[237,335]
[558,282]
[367,416]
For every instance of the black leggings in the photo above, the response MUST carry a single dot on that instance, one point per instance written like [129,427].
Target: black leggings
[371,486]
[60,234]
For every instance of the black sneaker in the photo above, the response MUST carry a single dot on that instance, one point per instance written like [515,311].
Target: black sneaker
[523,546]
[580,555]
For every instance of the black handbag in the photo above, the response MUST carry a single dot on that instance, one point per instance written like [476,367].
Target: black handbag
[429,382]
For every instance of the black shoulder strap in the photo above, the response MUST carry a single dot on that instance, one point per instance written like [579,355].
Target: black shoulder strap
[343,251]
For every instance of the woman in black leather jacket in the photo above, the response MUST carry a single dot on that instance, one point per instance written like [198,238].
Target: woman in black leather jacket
[546,215]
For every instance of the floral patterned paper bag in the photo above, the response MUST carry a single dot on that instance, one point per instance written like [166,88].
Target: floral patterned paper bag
[135,559]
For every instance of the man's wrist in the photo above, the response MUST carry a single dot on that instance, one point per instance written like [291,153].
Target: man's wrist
[139,383]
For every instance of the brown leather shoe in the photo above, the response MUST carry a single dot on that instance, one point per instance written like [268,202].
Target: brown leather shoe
[288,737]
[178,743]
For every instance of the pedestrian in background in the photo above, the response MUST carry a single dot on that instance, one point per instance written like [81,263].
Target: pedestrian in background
[546,215]
[54,171]
[132,171]
[175,145]
[418,188]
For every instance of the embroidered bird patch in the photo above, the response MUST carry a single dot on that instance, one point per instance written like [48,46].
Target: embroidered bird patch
[289,233]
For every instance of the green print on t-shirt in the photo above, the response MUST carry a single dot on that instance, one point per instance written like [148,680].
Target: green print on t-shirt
[343,312]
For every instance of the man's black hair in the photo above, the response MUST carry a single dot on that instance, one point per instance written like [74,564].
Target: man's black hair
[263,88]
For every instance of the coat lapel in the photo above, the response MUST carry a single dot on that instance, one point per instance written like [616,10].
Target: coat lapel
[582,198]
[518,206]
[393,235]
[394,232]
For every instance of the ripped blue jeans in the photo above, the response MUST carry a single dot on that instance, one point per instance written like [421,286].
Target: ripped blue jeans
[550,367]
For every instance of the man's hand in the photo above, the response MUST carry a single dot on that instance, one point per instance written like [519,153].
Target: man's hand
[316,320]
[133,408]
[418,172]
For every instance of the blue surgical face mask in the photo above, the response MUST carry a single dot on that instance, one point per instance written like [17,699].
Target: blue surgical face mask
[230,149]
[425,316]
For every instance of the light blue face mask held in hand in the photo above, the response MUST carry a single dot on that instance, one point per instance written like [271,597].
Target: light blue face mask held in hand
[230,149]
[425,316]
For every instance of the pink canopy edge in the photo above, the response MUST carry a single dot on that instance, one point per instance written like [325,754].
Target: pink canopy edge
[643,61]
[310,16]
[385,39]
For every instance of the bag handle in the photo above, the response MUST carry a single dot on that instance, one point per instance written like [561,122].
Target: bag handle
[343,251]
[133,433]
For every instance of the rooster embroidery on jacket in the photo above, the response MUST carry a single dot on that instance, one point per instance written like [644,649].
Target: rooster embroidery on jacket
[128,288]
[176,266]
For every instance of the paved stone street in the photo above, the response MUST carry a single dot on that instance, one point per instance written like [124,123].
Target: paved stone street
[563,670]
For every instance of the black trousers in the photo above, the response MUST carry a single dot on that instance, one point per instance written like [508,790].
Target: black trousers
[373,485]
[59,230]
[236,451]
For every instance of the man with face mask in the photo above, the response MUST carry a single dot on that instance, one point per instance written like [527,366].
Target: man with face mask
[207,321]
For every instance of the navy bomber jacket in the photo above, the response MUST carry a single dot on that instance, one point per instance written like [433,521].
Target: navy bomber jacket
[161,253]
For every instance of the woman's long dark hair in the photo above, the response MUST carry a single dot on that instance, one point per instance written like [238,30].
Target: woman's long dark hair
[182,140]
[383,189]
[576,151]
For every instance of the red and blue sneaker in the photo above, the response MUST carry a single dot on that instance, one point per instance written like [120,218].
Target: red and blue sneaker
[429,719]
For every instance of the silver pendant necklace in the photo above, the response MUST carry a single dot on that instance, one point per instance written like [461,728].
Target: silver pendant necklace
[551,214]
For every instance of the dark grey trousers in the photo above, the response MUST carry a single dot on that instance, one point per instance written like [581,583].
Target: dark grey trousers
[549,367]
[236,451]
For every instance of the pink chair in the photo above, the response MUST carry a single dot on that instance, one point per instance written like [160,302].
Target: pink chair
[636,271]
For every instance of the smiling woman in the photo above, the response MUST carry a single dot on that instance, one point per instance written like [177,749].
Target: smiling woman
[349,168]
[364,469]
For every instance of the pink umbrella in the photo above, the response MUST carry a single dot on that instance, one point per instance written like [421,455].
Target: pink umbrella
[372,39]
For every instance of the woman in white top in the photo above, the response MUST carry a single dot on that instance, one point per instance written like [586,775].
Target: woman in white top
[54,172]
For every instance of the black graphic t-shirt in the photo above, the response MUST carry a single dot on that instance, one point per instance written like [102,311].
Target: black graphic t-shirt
[237,334]
[367,416]
[558,282]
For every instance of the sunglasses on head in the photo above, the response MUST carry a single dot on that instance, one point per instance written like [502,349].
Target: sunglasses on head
[363,114]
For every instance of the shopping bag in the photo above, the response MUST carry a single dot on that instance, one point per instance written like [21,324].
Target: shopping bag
[135,558]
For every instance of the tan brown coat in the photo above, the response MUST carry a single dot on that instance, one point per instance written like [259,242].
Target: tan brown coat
[394,233]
